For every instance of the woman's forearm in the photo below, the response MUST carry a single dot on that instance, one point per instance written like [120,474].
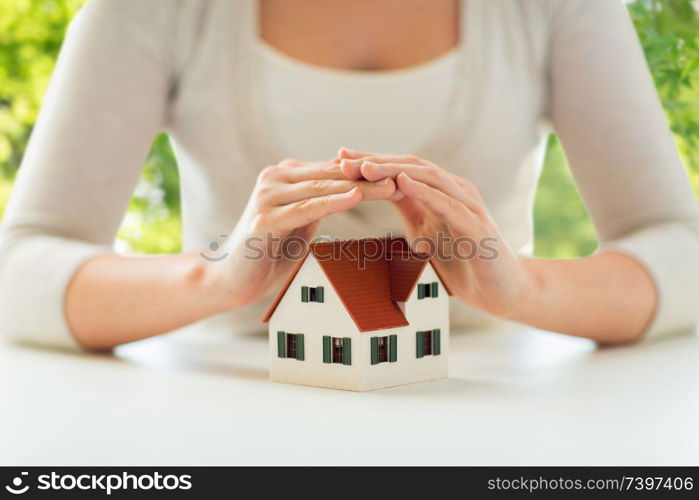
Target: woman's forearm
[114,299]
[608,297]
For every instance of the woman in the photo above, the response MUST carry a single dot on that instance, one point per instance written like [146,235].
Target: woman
[471,88]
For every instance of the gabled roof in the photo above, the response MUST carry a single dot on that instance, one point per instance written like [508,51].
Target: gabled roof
[369,276]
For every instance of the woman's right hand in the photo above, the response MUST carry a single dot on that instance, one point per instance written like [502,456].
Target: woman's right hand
[289,200]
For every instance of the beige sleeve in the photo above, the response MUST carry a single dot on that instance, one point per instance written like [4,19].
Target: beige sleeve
[106,101]
[606,111]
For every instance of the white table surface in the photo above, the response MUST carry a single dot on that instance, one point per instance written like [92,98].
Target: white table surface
[515,396]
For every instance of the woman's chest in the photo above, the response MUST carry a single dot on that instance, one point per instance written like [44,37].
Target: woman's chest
[476,110]
[309,112]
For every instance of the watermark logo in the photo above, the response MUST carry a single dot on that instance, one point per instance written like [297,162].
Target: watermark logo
[215,247]
[442,247]
[16,487]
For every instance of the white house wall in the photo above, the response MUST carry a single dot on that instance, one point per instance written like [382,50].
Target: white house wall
[314,320]
[422,314]
[331,318]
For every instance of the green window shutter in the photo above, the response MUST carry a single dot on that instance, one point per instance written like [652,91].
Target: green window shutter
[281,344]
[374,350]
[420,291]
[320,297]
[326,349]
[418,344]
[436,342]
[435,289]
[300,353]
[304,294]
[346,351]
[393,348]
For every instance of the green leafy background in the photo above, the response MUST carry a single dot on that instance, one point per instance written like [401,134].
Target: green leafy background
[31,32]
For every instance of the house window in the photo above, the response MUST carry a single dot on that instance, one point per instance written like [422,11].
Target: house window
[290,345]
[337,350]
[428,343]
[312,294]
[384,349]
[427,290]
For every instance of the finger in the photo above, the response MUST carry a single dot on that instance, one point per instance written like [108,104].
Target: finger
[471,189]
[291,162]
[344,152]
[354,173]
[397,195]
[283,194]
[296,172]
[410,211]
[429,174]
[355,154]
[383,158]
[352,168]
[450,209]
[302,213]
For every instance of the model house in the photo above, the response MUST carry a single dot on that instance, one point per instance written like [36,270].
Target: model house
[360,315]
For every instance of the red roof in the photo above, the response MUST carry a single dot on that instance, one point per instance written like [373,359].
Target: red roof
[369,276]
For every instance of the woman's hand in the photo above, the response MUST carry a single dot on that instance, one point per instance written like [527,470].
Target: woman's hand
[608,297]
[288,201]
[113,299]
[477,264]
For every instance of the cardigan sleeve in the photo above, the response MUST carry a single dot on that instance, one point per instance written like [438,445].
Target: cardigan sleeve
[605,109]
[105,103]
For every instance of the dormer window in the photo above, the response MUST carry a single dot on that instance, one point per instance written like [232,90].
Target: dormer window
[427,290]
[312,294]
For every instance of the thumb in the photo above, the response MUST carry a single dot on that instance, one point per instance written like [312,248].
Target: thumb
[411,213]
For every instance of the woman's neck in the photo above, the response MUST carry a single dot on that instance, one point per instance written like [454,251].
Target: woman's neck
[360,34]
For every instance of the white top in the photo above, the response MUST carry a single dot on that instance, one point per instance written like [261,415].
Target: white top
[129,69]
[370,108]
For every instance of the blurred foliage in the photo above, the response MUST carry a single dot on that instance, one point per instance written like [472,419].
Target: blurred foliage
[562,227]
[31,32]
[669,33]
[152,224]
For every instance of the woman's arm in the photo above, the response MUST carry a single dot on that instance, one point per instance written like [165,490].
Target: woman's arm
[609,297]
[106,101]
[605,109]
[114,299]
[60,283]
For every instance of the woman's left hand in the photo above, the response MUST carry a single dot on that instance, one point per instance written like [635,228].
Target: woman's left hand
[478,265]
